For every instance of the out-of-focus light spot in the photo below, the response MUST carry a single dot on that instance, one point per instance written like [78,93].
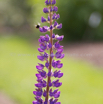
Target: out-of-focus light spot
[95,19]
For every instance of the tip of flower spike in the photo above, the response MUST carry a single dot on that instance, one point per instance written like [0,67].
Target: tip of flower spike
[48,2]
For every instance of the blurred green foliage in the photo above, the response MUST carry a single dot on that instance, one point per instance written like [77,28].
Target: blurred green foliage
[75,17]
[14,13]
[82,83]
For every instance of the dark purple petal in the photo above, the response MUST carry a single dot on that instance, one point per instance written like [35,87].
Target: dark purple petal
[55,100]
[47,2]
[40,50]
[53,36]
[50,84]
[55,8]
[56,74]
[45,55]
[44,29]
[40,58]
[47,37]
[57,45]
[41,29]
[45,10]
[59,26]
[43,46]
[42,39]
[54,64]
[58,55]
[48,18]
[60,65]
[38,85]
[44,93]
[49,74]
[57,94]
[55,23]
[51,9]
[39,76]
[47,64]
[60,75]
[62,56]
[43,19]
[45,102]
[51,27]
[60,38]
[58,16]
[51,94]
[37,93]
[39,67]
[44,84]
[58,84]
[53,2]
[54,16]
[60,50]
[49,45]
[43,73]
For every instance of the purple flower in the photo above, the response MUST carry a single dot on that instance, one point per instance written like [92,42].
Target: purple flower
[53,36]
[55,9]
[47,37]
[46,70]
[59,26]
[40,57]
[58,74]
[60,38]
[55,23]
[43,19]
[53,2]
[47,64]
[46,10]
[43,29]
[54,16]
[43,46]
[48,18]
[40,66]
[51,27]
[57,45]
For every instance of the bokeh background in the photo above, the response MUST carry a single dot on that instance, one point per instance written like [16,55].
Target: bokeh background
[83,47]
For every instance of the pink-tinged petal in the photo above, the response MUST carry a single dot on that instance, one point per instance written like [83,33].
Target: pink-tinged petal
[39,67]
[59,26]
[60,50]
[41,30]
[60,65]
[57,94]
[40,50]
[40,58]
[58,103]
[60,75]
[62,56]
[60,38]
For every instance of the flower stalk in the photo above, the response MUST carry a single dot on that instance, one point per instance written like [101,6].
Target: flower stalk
[50,59]
[43,88]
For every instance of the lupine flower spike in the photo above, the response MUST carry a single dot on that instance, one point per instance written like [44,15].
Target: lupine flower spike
[44,94]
